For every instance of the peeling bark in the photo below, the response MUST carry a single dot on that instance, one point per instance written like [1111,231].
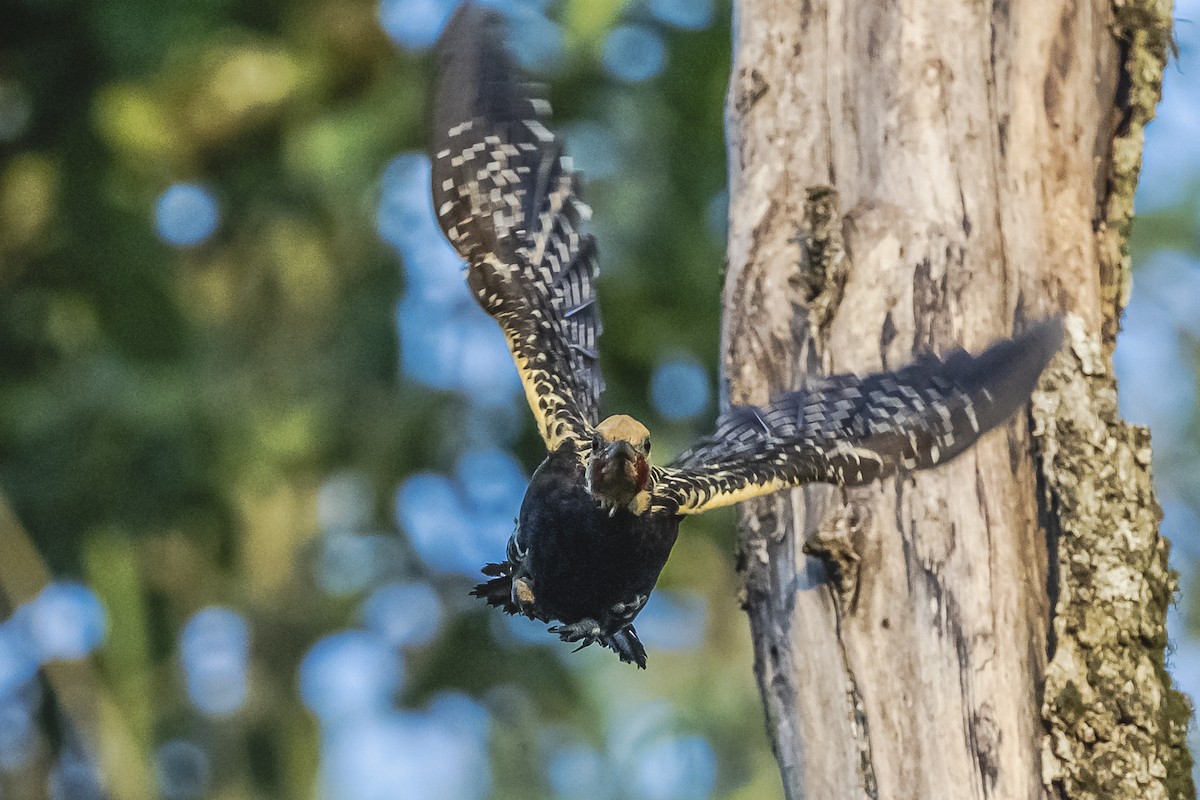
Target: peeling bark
[908,176]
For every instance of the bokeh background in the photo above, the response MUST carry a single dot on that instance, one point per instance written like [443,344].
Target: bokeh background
[256,439]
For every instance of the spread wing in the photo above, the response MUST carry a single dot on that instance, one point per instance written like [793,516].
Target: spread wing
[849,430]
[507,200]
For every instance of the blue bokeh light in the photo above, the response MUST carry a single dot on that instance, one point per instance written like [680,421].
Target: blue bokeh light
[579,772]
[405,219]
[404,614]
[349,676]
[372,759]
[593,147]
[680,388]
[1171,281]
[406,756]
[675,768]
[65,621]
[1158,385]
[490,536]
[485,367]
[345,501]
[673,621]
[633,724]
[1183,662]
[716,215]
[456,528]
[186,214]
[537,43]
[405,216]
[415,24]
[75,777]
[348,563]
[493,481]
[430,511]
[1181,525]
[462,715]
[496,425]
[18,664]
[520,631]
[1170,164]
[509,5]
[429,343]
[692,15]
[446,341]
[634,53]
[214,649]
[182,769]
[434,273]
[19,736]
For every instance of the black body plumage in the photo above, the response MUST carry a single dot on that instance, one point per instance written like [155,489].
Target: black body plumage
[591,570]
[598,521]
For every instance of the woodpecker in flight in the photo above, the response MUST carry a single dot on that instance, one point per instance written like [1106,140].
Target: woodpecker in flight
[599,519]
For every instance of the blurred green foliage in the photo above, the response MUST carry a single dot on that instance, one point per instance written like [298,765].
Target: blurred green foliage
[166,415]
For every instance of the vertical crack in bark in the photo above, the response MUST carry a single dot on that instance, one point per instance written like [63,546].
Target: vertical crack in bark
[769,584]
[998,24]
[858,714]
[823,262]
[1049,512]
[832,540]
[829,104]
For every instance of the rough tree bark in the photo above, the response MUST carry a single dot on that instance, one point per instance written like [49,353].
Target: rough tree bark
[915,174]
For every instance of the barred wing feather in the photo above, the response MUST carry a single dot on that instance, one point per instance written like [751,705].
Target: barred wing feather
[508,201]
[848,430]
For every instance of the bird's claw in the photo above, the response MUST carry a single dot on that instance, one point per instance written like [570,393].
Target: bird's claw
[587,631]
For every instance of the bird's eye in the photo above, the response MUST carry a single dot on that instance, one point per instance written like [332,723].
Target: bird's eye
[646,444]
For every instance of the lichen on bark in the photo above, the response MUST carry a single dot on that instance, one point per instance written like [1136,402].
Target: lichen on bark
[1115,726]
[1143,30]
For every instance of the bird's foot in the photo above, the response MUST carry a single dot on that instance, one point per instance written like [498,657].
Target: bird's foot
[587,631]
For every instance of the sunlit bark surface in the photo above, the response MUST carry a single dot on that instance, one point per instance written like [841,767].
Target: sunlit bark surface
[918,175]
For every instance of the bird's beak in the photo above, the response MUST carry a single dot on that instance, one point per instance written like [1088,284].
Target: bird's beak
[620,450]
[617,473]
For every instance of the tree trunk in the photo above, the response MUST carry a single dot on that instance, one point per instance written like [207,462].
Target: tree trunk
[913,175]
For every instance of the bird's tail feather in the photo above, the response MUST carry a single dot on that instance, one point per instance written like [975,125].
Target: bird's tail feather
[498,590]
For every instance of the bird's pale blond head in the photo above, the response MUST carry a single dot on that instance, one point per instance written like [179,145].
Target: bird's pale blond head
[618,468]
[623,428]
